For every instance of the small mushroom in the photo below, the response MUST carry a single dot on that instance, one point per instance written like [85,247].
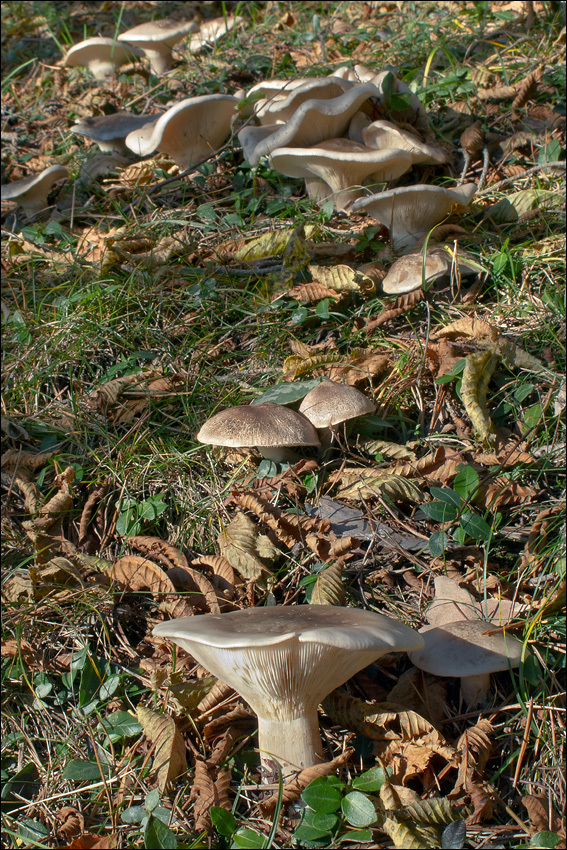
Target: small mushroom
[210,32]
[284,660]
[470,650]
[411,211]
[337,168]
[316,120]
[189,131]
[330,404]
[383,135]
[110,131]
[156,40]
[411,271]
[268,427]
[31,192]
[102,56]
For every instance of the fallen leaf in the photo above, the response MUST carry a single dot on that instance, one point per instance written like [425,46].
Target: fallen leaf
[169,760]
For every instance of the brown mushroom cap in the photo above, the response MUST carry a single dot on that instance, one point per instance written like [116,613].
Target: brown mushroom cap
[284,659]
[331,403]
[408,272]
[156,39]
[110,131]
[268,427]
[101,55]
[31,192]
[411,211]
[337,167]
[189,131]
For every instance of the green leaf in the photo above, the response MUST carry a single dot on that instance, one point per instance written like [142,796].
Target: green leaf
[319,820]
[531,417]
[158,835]
[370,780]
[287,393]
[120,725]
[134,814]
[224,822]
[309,833]
[438,543]
[23,784]
[446,495]
[152,800]
[247,839]
[79,770]
[322,795]
[361,836]
[476,527]
[32,832]
[460,536]
[466,481]
[453,836]
[545,839]
[440,511]
[358,809]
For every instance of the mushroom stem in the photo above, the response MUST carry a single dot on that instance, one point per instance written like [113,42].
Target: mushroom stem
[299,739]
[475,688]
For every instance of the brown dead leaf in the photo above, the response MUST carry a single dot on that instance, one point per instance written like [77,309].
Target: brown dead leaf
[71,824]
[474,747]
[542,815]
[93,247]
[422,693]
[363,367]
[169,754]
[136,573]
[246,548]
[209,788]
[160,550]
[54,508]
[308,293]
[328,588]
[90,517]
[149,254]
[502,491]
[294,787]
[479,368]
[124,399]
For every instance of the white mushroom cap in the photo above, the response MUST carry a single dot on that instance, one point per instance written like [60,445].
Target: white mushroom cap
[31,192]
[189,131]
[110,131]
[338,167]
[411,211]
[210,32]
[156,39]
[314,121]
[382,135]
[101,55]
[357,74]
[267,427]
[331,403]
[467,649]
[278,109]
[284,660]
[408,272]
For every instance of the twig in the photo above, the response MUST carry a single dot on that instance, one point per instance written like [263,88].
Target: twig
[509,180]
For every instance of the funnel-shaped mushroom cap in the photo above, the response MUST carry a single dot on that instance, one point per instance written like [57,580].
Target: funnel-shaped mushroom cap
[284,660]
[101,56]
[110,131]
[314,121]
[382,135]
[330,403]
[337,167]
[278,109]
[411,211]
[408,272]
[268,427]
[189,131]
[156,38]
[470,650]
[31,192]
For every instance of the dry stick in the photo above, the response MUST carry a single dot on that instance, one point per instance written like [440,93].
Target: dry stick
[524,745]
[509,180]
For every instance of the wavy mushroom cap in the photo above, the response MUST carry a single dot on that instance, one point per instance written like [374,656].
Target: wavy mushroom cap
[331,403]
[279,109]
[31,192]
[316,120]
[189,131]
[410,272]
[102,56]
[338,167]
[382,135]
[110,131]
[156,39]
[411,211]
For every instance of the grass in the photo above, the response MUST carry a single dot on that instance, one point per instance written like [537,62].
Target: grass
[78,656]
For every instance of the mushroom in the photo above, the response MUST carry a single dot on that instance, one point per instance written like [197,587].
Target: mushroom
[469,649]
[189,131]
[156,40]
[411,211]
[268,427]
[31,192]
[337,167]
[284,660]
[101,55]
[210,32]
[412,271]
[280,108]
[330,404]
[110,131]
[314,121]
[358,74]
[383,135]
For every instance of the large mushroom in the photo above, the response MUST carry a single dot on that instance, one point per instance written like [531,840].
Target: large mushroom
[470,650]
[189,131]
[330,404]
[410,212]
[336,169]
[156,40]
[383,135]
[110,131]
[271,428]
[284,660]
[31,192]
[279,108]
[102,56]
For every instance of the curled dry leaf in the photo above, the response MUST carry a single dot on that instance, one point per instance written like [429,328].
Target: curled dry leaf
[70,825]
[246,548]
[89,514]
[217,694]
[361,369]
[13,458]
[342,278]
[160,550]
[474,747]
[328,588]
[367,483]
[420,824]
[124,399]
[239,718]
[422,693]
[294,787]
[282,524]
[311,292]
[209,788]
[542,815]
[502,492]
[479,368]
[297,365]
[203,592]
[136,573]
[59,504]
[169,748]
